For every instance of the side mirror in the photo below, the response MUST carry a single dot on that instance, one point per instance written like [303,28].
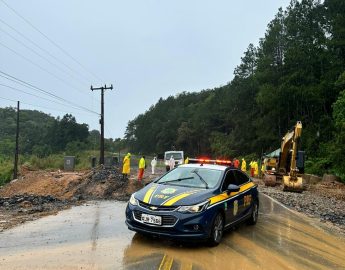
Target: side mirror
[232,188]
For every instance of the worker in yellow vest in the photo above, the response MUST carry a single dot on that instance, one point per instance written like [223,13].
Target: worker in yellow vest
[243,165]
[252,168]
[256,169]
[142,166]
[126,166]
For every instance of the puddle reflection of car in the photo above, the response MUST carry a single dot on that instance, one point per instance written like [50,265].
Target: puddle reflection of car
[194,202]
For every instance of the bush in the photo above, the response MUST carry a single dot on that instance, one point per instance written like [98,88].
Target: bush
[50,162]
[318,166]
[83,159]
[6,171]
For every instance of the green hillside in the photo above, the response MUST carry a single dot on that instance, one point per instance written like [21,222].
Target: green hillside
[295,73]
[44,140]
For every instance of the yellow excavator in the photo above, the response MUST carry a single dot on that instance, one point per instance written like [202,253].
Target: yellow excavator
[287,171]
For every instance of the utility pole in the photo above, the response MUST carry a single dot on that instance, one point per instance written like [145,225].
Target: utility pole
[101,121]
[15,169]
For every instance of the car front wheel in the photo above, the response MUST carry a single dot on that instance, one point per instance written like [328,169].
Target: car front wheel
[217,230]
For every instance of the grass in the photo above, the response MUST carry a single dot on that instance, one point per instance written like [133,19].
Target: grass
[52,162]
[6,170]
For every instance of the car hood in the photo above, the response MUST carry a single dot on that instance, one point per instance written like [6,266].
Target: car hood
[172,195]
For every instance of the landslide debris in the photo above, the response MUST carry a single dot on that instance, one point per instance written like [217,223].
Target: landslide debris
[39,193]
[98,183]
[103,184]
[20,208]
[324,201]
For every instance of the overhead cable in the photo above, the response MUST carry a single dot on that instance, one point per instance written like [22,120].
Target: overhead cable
[29,85]
[47,99]
[38,106]
[40,55]
[44,50]
[50,40]
[40,67]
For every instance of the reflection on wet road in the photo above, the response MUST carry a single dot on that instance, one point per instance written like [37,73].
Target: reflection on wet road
[94,236]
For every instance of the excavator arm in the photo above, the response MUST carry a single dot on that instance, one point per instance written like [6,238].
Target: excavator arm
[287,158]
[292,182]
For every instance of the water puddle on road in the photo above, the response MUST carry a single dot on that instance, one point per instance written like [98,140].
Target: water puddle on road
[94,236]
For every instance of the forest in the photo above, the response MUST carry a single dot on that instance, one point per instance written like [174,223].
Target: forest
[44,140]
[295,73]
[42,135]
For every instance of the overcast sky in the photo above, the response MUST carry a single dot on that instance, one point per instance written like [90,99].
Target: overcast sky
[146,48]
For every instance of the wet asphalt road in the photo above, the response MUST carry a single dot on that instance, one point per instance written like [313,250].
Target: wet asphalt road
[94,236]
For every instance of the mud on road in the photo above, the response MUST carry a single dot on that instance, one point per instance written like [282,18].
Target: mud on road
[39,193]
[94,236]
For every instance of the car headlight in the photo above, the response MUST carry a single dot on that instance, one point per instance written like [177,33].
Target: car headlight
[133,200]
[197,208]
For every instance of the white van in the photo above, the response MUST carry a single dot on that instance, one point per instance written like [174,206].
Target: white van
[177,155]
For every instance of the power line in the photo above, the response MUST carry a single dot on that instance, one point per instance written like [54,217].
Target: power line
[29,85]
[47,99]
[51,41]
[38,54]
[8,99]
[40,67]
[44,50]
[38,106]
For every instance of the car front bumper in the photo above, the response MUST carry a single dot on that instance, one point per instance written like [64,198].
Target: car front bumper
[181,225]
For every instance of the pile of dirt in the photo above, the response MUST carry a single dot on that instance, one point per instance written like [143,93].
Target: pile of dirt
[95,184]
[43,183]
[324,200]
[39,193]
[102,184]
[328,189]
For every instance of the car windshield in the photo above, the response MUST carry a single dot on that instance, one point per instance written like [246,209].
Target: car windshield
[174,155]
[192,177]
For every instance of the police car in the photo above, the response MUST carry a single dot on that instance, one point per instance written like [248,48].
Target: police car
[194,201]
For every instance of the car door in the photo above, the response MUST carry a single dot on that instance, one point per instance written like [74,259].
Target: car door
[230,205]
[245,196]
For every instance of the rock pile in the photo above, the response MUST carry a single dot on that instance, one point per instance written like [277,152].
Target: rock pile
[32,203]
[103,184]
[327,209]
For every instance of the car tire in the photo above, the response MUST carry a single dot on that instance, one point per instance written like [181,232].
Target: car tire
[217,230]
[255,214]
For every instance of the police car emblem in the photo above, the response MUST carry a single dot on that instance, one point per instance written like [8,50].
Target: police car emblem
[153,207]
[169,191]
[235,207]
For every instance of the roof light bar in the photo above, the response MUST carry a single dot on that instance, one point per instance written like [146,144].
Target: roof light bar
[209,161]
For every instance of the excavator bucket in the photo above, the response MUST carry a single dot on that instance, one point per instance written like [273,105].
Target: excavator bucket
[294,185]
[270,180]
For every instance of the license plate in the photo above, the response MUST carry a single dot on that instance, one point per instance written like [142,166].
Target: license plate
[157,220]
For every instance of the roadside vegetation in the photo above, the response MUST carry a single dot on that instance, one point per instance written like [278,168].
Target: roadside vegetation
[296,73]
[51,162]
[45,140]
